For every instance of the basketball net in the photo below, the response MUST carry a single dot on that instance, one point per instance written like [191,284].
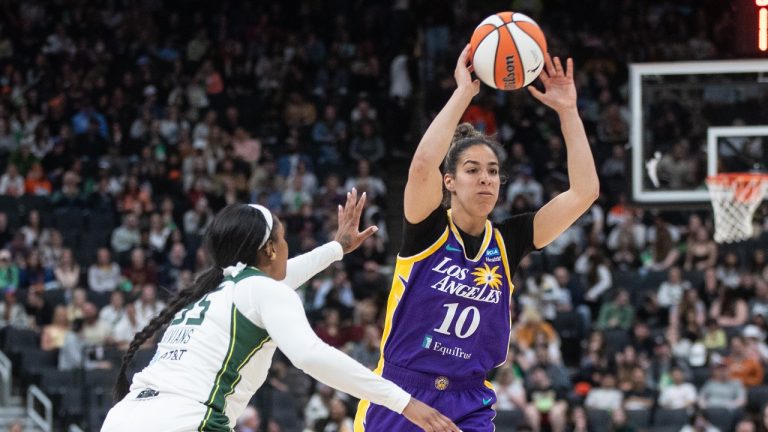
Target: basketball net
[735,197]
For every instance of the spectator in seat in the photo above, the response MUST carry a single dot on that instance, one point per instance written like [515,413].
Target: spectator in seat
[36,183]
[112,313]
[525,184]
[754,338]
[338,420]
[94,331]
[249,420]
[367,351]
[140,270]
[55,333]
[330,330]
[607,396]
[618,314]
[720,391]
[126,328]
[639,396]
[729,309]
[67,271]
[701,251]
[77,352]
[364,180]
[671,291]
[319,405]
[104,275]
[741,366]
[510,392]
[126,236]
[148,305]
[714,336]
[546,403]
[12,183]
[678,394]
[12,313]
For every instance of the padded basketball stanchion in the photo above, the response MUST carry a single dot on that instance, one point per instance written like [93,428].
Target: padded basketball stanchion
[735,197]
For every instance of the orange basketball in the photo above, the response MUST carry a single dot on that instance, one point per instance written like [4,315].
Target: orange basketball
[507,50]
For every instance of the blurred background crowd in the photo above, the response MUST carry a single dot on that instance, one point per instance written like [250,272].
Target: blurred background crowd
[126,125]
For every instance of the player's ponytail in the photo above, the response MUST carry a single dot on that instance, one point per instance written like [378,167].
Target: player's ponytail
[464,137]
[235,235]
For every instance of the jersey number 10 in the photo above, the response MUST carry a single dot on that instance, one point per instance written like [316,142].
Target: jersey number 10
[445,327]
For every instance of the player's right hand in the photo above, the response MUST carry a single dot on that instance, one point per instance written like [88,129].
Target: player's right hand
[462,74]
[428,418]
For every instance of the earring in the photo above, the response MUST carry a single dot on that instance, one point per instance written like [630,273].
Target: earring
[272,256]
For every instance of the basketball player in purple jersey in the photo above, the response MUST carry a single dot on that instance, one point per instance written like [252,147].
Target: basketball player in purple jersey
[447,321]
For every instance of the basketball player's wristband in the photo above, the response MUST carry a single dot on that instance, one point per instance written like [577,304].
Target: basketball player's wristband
[303,267]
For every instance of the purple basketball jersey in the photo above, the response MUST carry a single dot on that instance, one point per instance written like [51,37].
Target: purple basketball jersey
[448,313]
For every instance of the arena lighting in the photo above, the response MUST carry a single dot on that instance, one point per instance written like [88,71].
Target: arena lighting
[762,25]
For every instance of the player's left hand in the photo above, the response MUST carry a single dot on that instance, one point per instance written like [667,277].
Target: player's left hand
[559,89]
[348,234]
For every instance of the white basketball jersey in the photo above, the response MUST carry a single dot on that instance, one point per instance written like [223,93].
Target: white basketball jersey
[213,354]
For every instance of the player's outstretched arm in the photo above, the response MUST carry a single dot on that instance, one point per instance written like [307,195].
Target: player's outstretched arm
[348,238]
[563,210]
[279,310]
[424,189]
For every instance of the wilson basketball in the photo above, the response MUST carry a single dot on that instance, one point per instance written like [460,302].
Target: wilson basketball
[507,50]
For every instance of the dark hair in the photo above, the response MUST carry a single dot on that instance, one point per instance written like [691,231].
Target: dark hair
[234,236]
[464,137]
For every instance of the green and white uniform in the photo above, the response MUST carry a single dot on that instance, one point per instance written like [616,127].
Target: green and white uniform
[217,351]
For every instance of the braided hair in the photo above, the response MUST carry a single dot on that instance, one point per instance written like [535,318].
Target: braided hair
[464,137]
[236,224]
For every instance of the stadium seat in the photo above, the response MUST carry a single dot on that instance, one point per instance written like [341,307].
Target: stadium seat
[34,361]
[757,398]
[640,418]
[653,279]
[674,419]
[700,375]
[722,418]
[615,340]
[568,326]
[57,384]
[599,420]
[10,206]
[17,339]
[284,410]
[509,420]
[140,361]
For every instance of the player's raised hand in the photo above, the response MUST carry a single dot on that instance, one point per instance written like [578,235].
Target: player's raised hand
[463,74]
[348,234]
[428,418]
[559,88]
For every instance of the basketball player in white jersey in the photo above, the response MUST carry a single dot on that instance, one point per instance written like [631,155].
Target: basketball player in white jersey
[223,330]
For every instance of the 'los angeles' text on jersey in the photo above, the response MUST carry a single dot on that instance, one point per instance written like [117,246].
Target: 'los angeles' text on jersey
[448,313]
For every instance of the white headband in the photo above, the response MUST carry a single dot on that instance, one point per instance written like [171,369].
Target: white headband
[268,217]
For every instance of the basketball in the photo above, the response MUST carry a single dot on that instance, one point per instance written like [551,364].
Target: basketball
[507,50]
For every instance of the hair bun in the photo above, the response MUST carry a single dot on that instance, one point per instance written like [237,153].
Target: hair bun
[466,130]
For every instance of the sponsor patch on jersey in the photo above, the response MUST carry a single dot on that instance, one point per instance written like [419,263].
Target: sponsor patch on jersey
[426,342]
[492,252]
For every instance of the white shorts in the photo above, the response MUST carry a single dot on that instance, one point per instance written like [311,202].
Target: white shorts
[160,413]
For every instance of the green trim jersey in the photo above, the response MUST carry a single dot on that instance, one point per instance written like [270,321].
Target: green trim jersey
[213,341]
[216,353]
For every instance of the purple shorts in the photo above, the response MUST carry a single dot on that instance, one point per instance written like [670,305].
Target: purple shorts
[466,401]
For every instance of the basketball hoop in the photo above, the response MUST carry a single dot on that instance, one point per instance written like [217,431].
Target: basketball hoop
[735,197]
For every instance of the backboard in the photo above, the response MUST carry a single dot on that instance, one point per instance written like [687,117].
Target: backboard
[690,120]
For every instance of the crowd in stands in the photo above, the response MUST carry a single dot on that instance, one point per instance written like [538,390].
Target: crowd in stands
[124,127]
